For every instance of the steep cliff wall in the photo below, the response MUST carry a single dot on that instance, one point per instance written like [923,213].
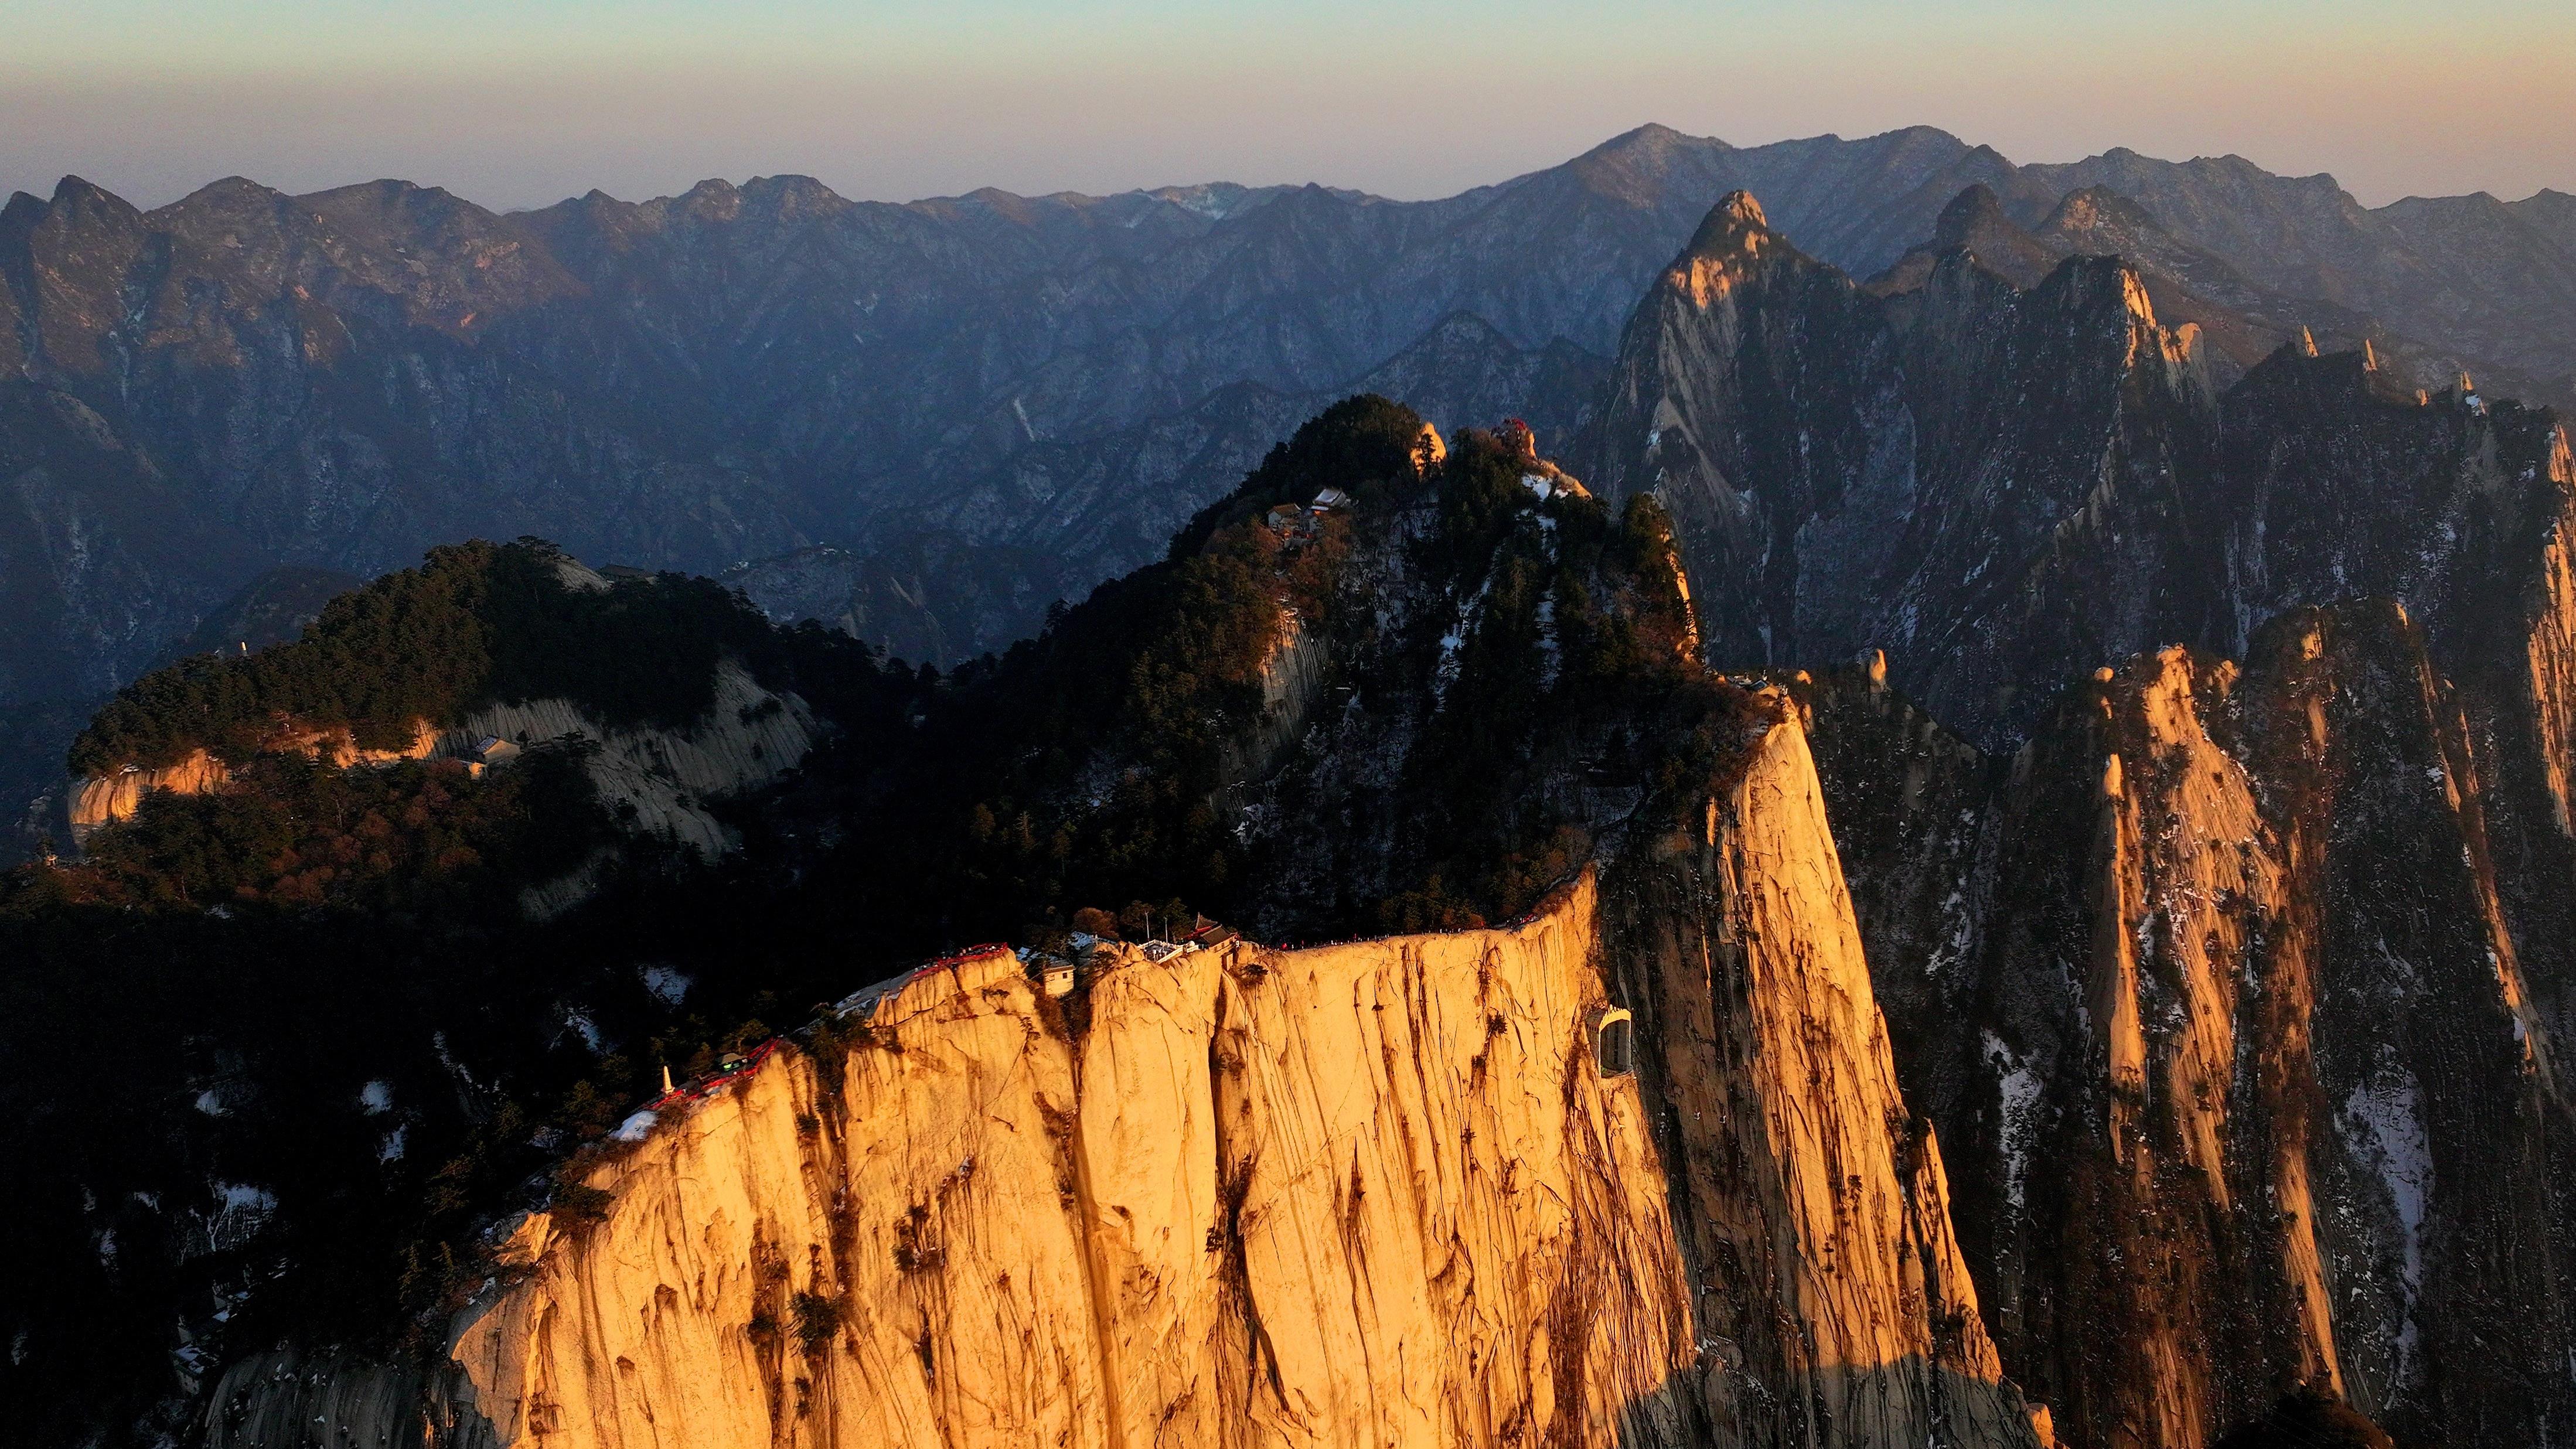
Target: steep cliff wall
[1292,682]
[2221,962]
[1380,1192]
[2005,487]
[106,800]
[1831,1299]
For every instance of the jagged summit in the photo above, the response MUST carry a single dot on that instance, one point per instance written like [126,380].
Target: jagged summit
[1975,222]
[1997,479]
[76,199]
[1968,213]
[1735,224]
[1733,241]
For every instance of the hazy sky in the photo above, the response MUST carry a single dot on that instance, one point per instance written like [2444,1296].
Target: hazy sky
[521,102]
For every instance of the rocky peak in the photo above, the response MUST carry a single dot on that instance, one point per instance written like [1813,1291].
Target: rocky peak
[1977,441]
[1974,223]
[1732,242]
[793,198]
[1735,225]
[76,202]
[1637,170]
[66,259]
[1733,1234]
[2096,209]
[1968,214]
[712,200]
[2211,901]
[223,193]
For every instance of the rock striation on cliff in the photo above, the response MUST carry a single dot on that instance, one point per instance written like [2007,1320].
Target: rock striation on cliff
[1292,675]
[2224,1008]
[104,800]
[1380,1192]
[2184,942]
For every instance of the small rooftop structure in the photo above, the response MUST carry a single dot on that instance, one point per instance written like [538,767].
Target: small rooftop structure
[1208,934]
[1294,524]
[1331,499]
[494,750]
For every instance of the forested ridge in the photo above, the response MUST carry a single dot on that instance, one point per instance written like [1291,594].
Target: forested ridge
[475,623]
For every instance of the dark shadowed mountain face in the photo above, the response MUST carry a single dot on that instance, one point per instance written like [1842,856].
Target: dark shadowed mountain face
[2494,280]
[2005,487]
[985,403]
[2206,813]
[2242,319]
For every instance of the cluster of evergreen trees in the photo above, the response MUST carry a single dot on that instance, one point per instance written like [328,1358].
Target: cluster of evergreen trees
[473,624]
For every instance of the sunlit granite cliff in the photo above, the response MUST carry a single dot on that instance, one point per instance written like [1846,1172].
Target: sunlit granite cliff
[1390,1191]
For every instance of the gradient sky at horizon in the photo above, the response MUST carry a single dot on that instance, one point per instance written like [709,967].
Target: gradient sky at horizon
[521,102]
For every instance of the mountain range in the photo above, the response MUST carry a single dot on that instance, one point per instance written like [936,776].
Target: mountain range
[2160,667]
[931,420]
[1969,843]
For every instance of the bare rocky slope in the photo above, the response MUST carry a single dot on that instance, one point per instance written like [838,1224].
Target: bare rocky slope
[1397,1188]
[300,1178]
[658,781]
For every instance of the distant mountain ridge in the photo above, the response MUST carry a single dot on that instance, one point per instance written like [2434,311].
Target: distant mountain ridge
[2191,708]
[1016,397]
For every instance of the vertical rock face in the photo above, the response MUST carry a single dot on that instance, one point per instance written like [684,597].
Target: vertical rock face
[749,736]
[106,800]
[1371,1193]
[1292,681]
[1381,1192]
[1953,472]
[2200,969]
[2248,1081]
[1754,395]
[1830,1294]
